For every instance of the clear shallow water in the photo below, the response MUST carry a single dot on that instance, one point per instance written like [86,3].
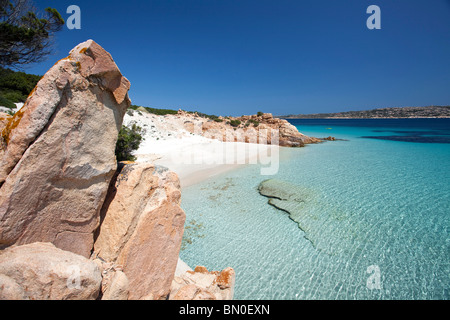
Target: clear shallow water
[372,201]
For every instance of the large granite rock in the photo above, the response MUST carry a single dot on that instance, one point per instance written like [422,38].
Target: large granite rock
[58,152]
[142,228]
[40,271]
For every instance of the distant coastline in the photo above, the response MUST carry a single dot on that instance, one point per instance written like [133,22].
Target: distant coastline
[430,112]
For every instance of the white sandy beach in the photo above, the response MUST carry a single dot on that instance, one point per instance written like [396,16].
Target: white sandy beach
[195,162]
[193,157]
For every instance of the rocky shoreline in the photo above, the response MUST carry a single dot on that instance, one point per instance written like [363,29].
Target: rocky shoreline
[260,128]
[74,223]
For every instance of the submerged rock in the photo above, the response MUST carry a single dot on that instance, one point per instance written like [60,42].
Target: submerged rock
[291,199]
[281,190]
[324,225]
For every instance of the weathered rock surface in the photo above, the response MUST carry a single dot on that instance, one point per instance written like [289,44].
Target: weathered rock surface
[201,284]
[40,271]
[58,152]
[142,228]
[115,284]
[4,120]
[117,288]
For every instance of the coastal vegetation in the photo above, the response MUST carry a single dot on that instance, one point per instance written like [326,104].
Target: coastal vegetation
[159,112]
[15,86]
[163,112]
[208,116]
[128,141]
[6,103]
[255,123]
[235,123]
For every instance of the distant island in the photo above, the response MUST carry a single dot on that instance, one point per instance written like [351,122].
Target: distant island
[384,113]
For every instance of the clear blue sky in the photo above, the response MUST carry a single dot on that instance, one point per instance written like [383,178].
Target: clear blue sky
[234,57]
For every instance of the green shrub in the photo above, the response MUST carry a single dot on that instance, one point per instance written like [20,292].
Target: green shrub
[6,103]
[16,86]
[260,114]
[159,112]
[235,123]
[129,140]
[254,122]
[208,116]
[14,96]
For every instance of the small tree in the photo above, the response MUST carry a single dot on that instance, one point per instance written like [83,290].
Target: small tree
[129,140]
[235,123]
[26,34]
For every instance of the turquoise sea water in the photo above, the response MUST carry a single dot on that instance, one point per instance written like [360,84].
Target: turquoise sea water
[375,220]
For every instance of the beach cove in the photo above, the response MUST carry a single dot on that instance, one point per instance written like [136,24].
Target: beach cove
[374,220]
